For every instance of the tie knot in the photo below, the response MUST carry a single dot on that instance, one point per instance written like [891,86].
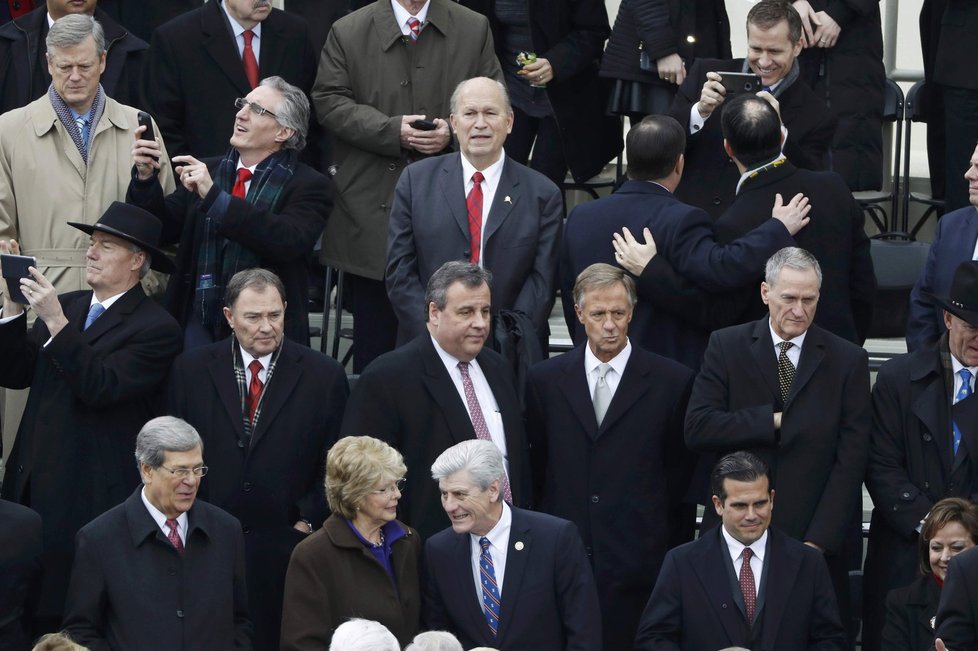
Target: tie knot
[965,375]
[172,524]
[244,175]
[255,367]
[247,35]
[748,552]
[463,368]
[478,178]
[484,543]
[785,346]
[603,370]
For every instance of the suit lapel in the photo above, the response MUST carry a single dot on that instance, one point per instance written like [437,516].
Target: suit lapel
[221,370]
[220,46]
[708,564]
[930,402]
[453,190]
[780,574]
[812,354]
[508,188]
[516,560]
[444,393]
[273,42]
[287,374]
[629,390]
[466,589]
[573,384]
[112,317]
[762,351]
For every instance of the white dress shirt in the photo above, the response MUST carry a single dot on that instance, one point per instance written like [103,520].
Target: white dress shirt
[957,366]
[239,39]
[794,353]
[160,519]
[498,545]
[490,183]
[247,358]
[613,376]
[401,15]
[736,550]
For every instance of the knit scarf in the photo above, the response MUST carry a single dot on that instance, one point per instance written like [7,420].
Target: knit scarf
[218,258]
[241,376]
[788,80]
[63,111]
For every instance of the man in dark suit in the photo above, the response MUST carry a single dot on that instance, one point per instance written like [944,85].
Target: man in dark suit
[268,409]
[256,206]
[162,570]
[924,443]
[605,424]
[752,138]
[683,235]
[797,396]
[955,241]
[742,584]
[20,573]
[443,387]
[204,59]
[95,362]
[477,205]
[956,624]
[527,570]
[774,32]
[24,72]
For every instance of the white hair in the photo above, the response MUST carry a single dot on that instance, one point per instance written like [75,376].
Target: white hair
[434,641]
[363,635]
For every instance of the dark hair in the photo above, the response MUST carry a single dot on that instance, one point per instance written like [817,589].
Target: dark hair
[948,510]
[738,466]
[257,279]
[767,14]
[455,271]
[653,146]
[752,128]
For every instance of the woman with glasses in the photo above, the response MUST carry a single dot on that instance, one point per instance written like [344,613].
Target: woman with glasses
[363,562]
[950,528]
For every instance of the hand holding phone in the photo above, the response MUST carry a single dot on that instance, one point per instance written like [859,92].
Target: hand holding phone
[424,125]
[741,82]
[144,120]
[13,268]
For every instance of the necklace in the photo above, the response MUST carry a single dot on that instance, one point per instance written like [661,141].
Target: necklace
[378,544]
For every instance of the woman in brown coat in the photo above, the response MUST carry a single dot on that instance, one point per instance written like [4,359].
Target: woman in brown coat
[363,562]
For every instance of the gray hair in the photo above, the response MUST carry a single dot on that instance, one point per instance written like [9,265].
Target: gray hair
[72,30]
[481,459]
[791,257]
[434,641]
[363,635]
[453,102]
[257,279]
[470,275]
[600,276]
[293,113]
[147,259]
[162,435]
[737,466]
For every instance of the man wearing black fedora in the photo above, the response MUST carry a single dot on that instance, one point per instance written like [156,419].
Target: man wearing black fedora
[94,361]
[924,444]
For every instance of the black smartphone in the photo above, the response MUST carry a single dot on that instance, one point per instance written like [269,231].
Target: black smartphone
[13,268]
[741,82]
[424,125]
[146,121]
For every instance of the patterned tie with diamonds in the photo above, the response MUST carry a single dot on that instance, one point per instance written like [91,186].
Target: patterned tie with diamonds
[747,585]
[490,591]
[786,370]
[478,420]
[174,536]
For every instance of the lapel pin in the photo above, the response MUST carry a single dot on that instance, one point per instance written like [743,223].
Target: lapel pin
[507,199]
[519,543]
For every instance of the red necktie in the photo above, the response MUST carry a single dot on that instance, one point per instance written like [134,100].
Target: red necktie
[474,205]
[747,585]
[249,60]
[415,26]
[254,389]
[244,175]
[173,536]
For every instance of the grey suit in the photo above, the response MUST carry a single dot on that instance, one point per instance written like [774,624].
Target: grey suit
[429,226]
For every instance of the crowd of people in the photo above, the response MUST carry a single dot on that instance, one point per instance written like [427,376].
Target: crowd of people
[188,474]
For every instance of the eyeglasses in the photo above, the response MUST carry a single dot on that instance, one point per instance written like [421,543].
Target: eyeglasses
[256,108]
[397,485]
[183,473]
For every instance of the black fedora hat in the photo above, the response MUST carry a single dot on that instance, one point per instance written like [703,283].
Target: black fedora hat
[962,302]
[135,225]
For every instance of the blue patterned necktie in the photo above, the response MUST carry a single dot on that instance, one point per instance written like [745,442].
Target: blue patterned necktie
[94,312]
[963,393]
[83,131]
[490,591]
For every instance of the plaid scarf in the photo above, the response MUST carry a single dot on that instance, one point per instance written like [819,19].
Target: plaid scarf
[218,258]
[241,375]
[63,111]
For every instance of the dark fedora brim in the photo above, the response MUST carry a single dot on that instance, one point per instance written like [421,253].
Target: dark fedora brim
[958,310]
[158,260]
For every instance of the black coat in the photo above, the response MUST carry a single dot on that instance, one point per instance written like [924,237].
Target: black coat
[591,475]
[710,177]
[661,28]
[910,612]
[835,236]
[130,589]
[91,392]
[20,574]
[279,478]
[949,46]
[22,48]
[407,399]
[570,34]
[143,17]
[194,73]
[283,239]
[957,613]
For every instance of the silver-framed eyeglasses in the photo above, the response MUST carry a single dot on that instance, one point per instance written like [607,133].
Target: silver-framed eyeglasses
[397,485]
[183,472]
[255,107]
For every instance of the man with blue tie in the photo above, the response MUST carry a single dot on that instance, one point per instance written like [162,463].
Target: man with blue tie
[95,361]
[501,576]
[924,440]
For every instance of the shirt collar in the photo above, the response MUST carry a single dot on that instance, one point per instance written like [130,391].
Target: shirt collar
[247,358]
[798,341]
[160,518]
[401,14]
[236,26]
[736,548]
[618,362]
[491,173]
[107,303]
[499,535]
[957,366]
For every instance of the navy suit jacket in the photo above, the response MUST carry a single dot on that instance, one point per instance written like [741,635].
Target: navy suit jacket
[591,475]
[954,242]
[548,600]
[429,226]
[693,607]
[407,399]
[683,236]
